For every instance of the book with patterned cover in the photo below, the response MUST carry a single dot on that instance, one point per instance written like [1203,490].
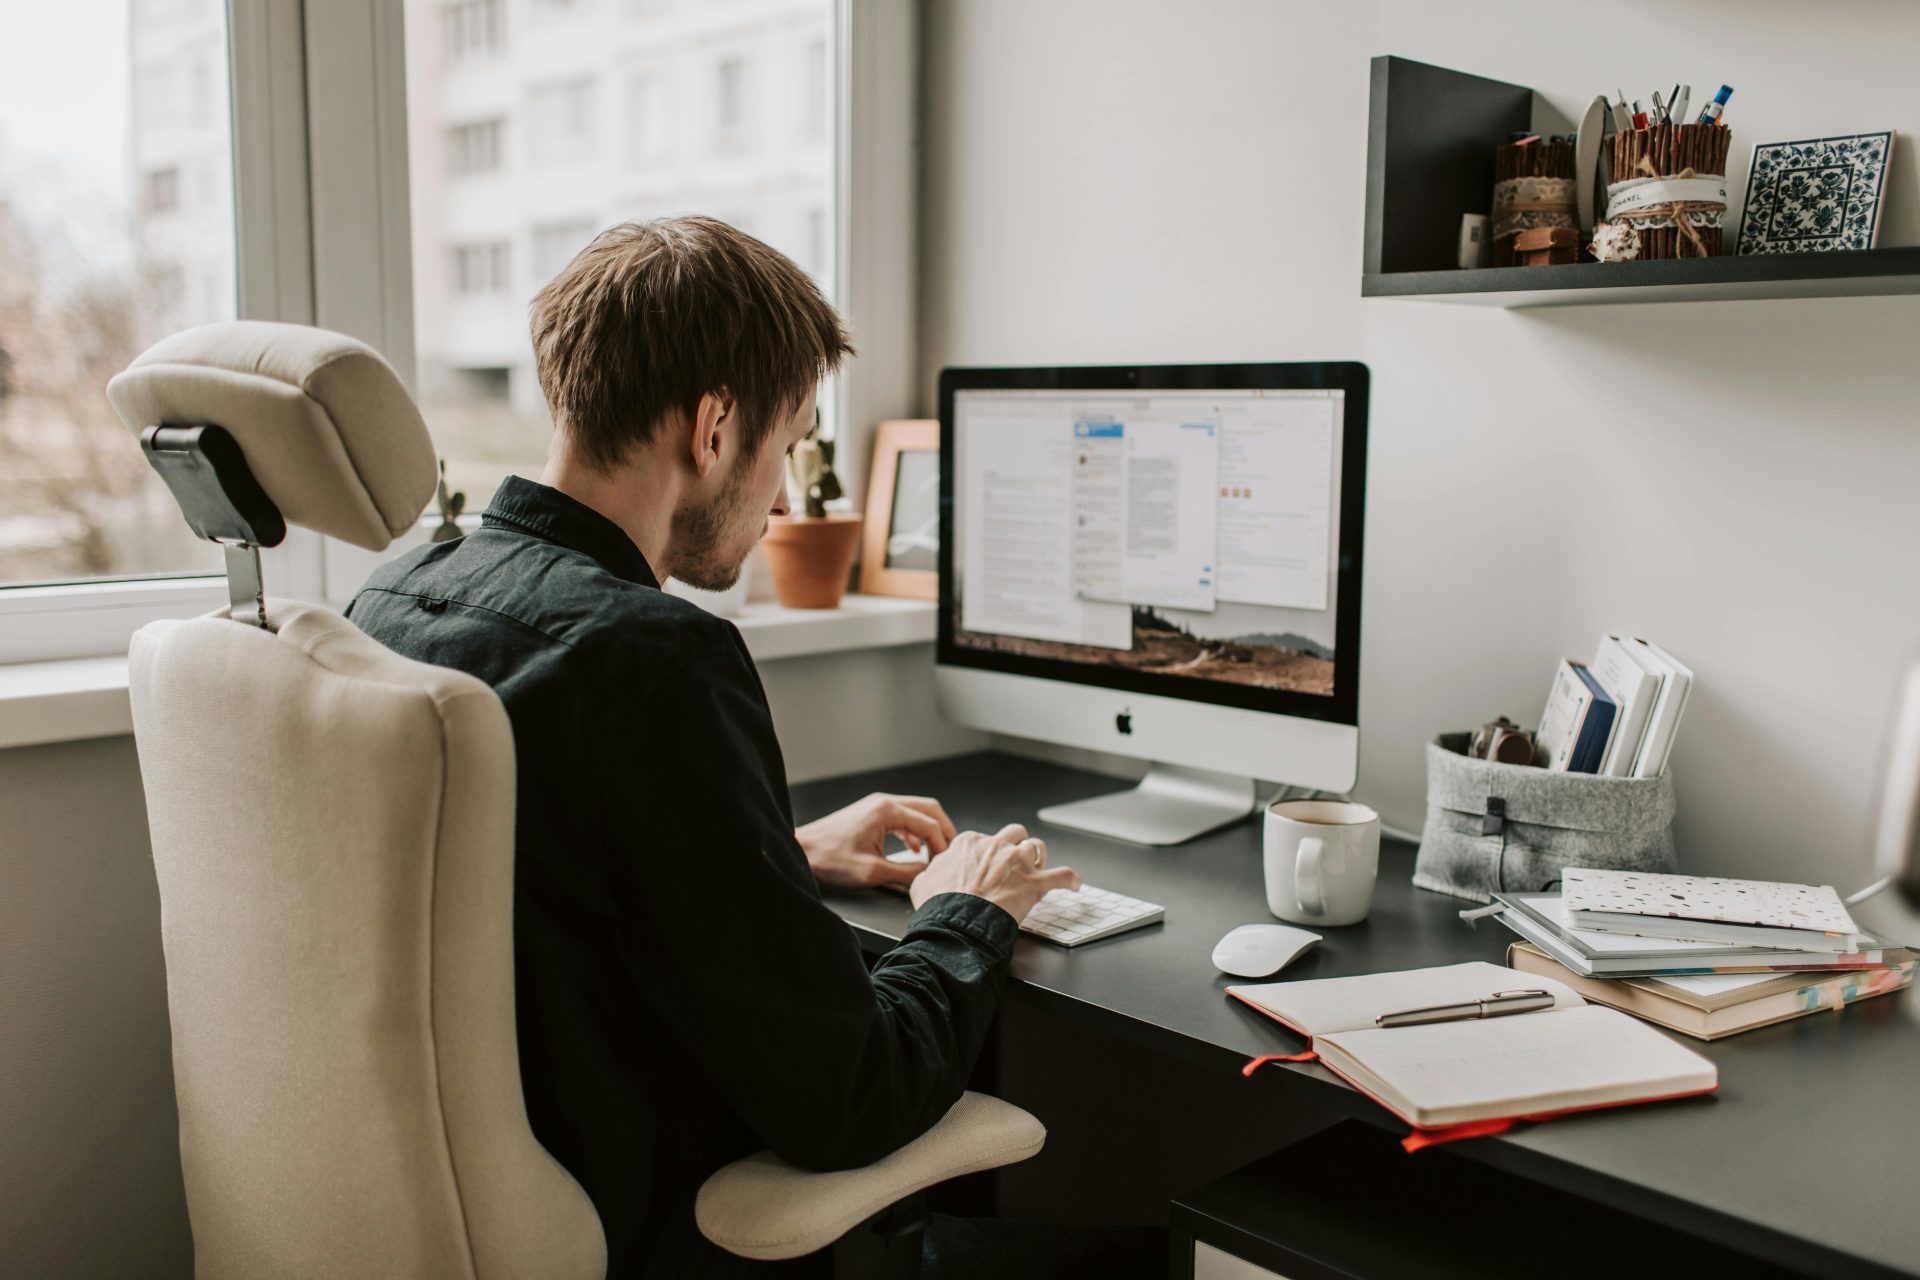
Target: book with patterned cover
[1709,909]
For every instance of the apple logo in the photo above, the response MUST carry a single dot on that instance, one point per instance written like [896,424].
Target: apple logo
[1124,722]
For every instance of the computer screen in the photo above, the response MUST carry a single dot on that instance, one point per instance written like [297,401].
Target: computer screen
[1185,540]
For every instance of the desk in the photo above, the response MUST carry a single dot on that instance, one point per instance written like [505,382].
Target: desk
[1799,1158]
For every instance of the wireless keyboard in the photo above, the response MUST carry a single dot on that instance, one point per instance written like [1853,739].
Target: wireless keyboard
[1071,917]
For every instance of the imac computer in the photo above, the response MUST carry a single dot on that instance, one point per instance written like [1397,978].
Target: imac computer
[1163,562]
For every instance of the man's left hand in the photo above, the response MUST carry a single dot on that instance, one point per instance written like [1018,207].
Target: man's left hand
[848,849]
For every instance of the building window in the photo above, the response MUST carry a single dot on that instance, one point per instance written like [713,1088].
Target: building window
[469,28]
[474,148]
[555,243]
[730,102]
[117,136]
[816,257]
[814,110]
[646,118]
[160,190]
[480,268]
[560,119]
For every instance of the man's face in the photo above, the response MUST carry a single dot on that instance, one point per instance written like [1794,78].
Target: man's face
[714,538]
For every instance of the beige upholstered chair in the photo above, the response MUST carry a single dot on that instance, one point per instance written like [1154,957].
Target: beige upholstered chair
[333,837]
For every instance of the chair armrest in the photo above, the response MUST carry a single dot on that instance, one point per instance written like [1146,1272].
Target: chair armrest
[764,1208]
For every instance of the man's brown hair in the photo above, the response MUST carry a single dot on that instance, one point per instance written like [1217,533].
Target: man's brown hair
[653,315]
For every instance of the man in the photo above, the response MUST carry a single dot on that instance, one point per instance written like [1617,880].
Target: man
[684,995]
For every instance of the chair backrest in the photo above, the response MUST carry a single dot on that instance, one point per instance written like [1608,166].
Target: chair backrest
[333,838]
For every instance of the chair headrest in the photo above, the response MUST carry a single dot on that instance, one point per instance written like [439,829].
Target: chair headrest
[325,424]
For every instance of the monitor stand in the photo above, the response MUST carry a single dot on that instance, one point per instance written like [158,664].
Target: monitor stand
[1170,806]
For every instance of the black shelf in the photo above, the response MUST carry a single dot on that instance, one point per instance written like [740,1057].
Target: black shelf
[1430,141]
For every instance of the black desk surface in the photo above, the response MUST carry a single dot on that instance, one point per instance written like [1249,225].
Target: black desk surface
[1800,1157]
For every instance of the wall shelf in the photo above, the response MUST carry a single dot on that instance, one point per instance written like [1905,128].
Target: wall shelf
[1430,142]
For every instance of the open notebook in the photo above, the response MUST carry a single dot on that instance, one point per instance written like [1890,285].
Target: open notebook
[1572,1057]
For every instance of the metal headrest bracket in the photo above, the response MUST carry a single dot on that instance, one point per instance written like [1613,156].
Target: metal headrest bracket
[223,503]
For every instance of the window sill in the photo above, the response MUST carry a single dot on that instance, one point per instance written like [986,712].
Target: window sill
[48,702]
[861,622]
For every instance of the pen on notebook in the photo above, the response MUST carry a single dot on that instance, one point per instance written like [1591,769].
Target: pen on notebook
[1499,1004]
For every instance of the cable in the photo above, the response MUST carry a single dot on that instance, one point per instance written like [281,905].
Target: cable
[1869,891]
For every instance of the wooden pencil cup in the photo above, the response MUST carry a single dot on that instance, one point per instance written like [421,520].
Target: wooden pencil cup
[1533,188]
[1666,192]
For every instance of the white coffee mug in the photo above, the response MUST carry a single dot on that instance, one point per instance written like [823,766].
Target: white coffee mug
[1322,857]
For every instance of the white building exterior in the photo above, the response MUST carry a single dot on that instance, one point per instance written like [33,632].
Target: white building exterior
[181,152]
[535,124]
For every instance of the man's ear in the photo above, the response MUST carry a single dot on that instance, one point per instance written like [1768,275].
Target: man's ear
[712,418]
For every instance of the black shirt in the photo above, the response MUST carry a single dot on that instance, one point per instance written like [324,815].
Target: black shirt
[684,996]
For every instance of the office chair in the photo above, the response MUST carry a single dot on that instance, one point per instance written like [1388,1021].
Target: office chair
[332,831]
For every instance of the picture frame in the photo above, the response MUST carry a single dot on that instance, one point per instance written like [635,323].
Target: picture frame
[900,548]
[1816,195]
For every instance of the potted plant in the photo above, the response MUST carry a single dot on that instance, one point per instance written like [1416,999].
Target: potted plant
[810,552]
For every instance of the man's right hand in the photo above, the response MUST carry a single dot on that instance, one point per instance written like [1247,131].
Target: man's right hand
[1008,869]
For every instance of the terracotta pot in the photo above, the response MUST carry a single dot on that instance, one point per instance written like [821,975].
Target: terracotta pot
[811,559]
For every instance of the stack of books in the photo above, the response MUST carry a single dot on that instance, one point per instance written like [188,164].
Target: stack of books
[1616,715]
[1701,955]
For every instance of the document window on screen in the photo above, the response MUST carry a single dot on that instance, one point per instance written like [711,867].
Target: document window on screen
[1187,533]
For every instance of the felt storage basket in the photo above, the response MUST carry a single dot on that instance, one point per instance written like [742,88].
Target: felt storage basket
[1506,828]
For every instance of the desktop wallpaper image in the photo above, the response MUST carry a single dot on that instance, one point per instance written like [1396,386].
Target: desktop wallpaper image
[1165,645]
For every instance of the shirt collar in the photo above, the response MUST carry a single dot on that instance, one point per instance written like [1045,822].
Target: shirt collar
[550,514]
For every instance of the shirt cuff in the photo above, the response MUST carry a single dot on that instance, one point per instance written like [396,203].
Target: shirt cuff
[985,922]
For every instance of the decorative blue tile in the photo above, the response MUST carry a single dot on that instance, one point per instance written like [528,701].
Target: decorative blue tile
[1824,193]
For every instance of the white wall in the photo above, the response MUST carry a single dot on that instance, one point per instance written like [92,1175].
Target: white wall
[1132,180]
[90,1176]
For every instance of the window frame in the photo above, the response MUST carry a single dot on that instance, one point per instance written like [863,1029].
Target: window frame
[274,278]
[320,176]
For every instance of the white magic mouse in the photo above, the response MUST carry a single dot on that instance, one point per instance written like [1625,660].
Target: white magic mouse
[1261,950]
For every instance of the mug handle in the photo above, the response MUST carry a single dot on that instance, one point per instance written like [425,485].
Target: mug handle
[1306,876]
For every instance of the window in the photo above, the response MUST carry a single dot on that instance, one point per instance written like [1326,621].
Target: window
[813,110]
[816,253]
[555,243]
[560,118]
[624,124]
[480,268]
[116,228]
[473,148]
[162,190]
[646,120]
[730,108]
[469,28]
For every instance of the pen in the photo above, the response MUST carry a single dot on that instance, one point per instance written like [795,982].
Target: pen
[1621,120]
[1680,109]
[1639,116]
[1710,114]
[1673,106]
[1499,1004]
[1659,108]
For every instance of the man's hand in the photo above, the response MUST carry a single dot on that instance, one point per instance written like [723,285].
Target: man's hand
[1008,869]
[848,849]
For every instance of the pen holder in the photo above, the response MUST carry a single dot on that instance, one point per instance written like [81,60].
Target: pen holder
[1666,193]
[1498,828]
[1533,188]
